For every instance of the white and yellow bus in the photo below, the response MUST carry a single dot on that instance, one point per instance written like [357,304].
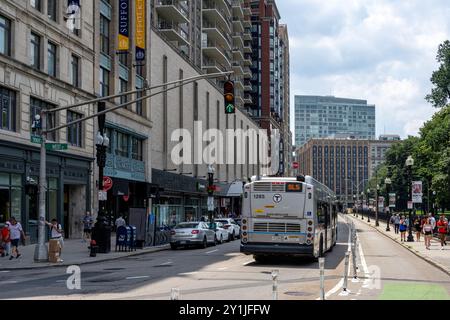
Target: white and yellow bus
[288,216]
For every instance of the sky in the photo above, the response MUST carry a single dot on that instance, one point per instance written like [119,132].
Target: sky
[382,51]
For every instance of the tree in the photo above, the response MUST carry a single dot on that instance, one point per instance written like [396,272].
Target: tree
[440,94]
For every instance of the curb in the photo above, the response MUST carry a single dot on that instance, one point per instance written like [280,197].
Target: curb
[137,253]
[418,254]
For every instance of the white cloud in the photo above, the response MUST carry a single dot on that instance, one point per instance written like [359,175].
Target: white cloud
[379,50]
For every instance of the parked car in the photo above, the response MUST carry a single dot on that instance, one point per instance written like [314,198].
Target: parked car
[232,227]
[192,233]
[221,233]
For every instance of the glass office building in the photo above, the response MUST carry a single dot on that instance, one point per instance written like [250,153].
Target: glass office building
[331,117]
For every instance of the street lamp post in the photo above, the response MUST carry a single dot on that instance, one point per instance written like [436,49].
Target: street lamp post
[377,223]
[434,202]
[368,209]
[362,205]
[409,164]
[388,183]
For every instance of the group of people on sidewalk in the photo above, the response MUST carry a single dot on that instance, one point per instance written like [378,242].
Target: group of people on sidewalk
[426,225]
[10,236]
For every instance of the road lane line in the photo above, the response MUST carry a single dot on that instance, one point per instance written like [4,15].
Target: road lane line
[8,282]
[221,269]
[212,251]
[5,271]
[166,263]
[246,263]
[138,277]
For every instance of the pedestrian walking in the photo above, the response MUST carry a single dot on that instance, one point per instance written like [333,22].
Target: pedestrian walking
[403,228]
[442,230]
[433,221]
[88,222]
[427,230]
[6,240]
[397,223]
[418,228]
[16,234]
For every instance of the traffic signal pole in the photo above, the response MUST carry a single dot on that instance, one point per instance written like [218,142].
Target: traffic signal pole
[41,251]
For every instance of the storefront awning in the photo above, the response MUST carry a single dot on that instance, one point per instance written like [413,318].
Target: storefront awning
[235,189]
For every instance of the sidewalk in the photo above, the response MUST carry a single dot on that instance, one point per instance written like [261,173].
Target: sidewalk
[75,252]
[435,256]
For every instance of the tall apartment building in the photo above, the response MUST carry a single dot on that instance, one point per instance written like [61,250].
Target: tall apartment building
[211,34]
[322,117]
[344,165]
[269,62]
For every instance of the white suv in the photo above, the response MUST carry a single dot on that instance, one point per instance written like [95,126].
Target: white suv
[231,226]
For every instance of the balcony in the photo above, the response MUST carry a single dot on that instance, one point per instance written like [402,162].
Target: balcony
[213,66]
[237,54]
[237,9]
[217,14]
[215,33]
[247,73]
[239,101]
[172,10]
[237,25]
[247,22]
[248,99]
[237,40]
[247,61]
[247,10]
[247,49]
[247,35]
[173,32]
[216,52]
[247,86]
[238,84]
[237,68]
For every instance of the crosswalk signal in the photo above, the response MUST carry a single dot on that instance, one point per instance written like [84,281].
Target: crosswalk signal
[229,97]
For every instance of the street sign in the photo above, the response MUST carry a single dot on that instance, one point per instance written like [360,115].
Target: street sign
[56,146]
[295,165]
[102,196]
[107,183]
[36,139]
[410,205]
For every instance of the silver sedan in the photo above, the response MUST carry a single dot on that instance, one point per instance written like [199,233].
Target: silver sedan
[192,233]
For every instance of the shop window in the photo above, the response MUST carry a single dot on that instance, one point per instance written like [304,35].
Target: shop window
[10,196]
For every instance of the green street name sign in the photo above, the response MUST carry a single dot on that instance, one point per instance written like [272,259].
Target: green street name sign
[56,146]
[36,139]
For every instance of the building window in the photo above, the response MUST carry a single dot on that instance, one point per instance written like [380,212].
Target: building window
[136,149]
[36,106]
[35,51]
[5,36]
[75,62]
[51,9]
[104,82]
[104,35]
[75,132]
[51,56]
[7,109]
[36,4]
[123,89]
[122,145]
[10,196]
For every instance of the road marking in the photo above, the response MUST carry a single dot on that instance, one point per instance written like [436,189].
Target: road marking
[246,263]
[166,263]
[5,271]
[8,282]
[188,273]
[221,269]
[138,277]
[212,251]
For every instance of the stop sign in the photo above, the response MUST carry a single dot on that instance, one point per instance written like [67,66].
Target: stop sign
[295,165]
[107,183]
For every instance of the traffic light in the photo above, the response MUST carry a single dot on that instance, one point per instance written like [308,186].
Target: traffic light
[230,107]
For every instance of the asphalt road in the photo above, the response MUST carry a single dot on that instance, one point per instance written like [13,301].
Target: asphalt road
[222,273]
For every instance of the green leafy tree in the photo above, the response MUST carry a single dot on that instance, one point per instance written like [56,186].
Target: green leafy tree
[439,96]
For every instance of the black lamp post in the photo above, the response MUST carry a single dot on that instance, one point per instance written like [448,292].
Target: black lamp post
[388,183]
[354,206]
[377,223]
[409,164]
[362,205]
[434,202]
[368,209]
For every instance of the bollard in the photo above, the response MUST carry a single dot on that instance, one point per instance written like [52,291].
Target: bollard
[275,284]
[347,261]
[322,278]
[175,294]
[355,267]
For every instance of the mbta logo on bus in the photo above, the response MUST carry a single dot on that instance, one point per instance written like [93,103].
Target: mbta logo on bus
[277,198]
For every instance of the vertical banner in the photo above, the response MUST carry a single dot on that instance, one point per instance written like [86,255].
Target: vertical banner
[140,29]
[417,191]
[124,25]
[392,200]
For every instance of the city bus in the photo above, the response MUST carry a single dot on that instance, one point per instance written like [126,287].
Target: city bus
[288,216]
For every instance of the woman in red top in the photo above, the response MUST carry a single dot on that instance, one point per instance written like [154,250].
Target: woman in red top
[6,240]
[442,225]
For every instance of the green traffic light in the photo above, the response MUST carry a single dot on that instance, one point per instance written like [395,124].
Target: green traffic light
[230,108]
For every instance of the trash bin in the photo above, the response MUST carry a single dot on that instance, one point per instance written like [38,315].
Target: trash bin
[101,233]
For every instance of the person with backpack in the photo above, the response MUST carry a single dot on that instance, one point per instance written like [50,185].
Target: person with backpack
[403,227]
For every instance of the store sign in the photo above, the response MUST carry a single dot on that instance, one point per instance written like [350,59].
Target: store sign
[140,29]
[107,183]
[201,187]
[124,25]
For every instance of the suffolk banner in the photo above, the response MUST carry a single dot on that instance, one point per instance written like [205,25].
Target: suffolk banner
[124,25]
[417,192]
[140,30]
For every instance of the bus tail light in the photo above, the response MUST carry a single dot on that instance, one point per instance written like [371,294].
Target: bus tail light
[310,229]
[244,227]
[226,226]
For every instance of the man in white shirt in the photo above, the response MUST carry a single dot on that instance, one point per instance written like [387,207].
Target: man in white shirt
[16,232]
[432,221]
[120,222]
